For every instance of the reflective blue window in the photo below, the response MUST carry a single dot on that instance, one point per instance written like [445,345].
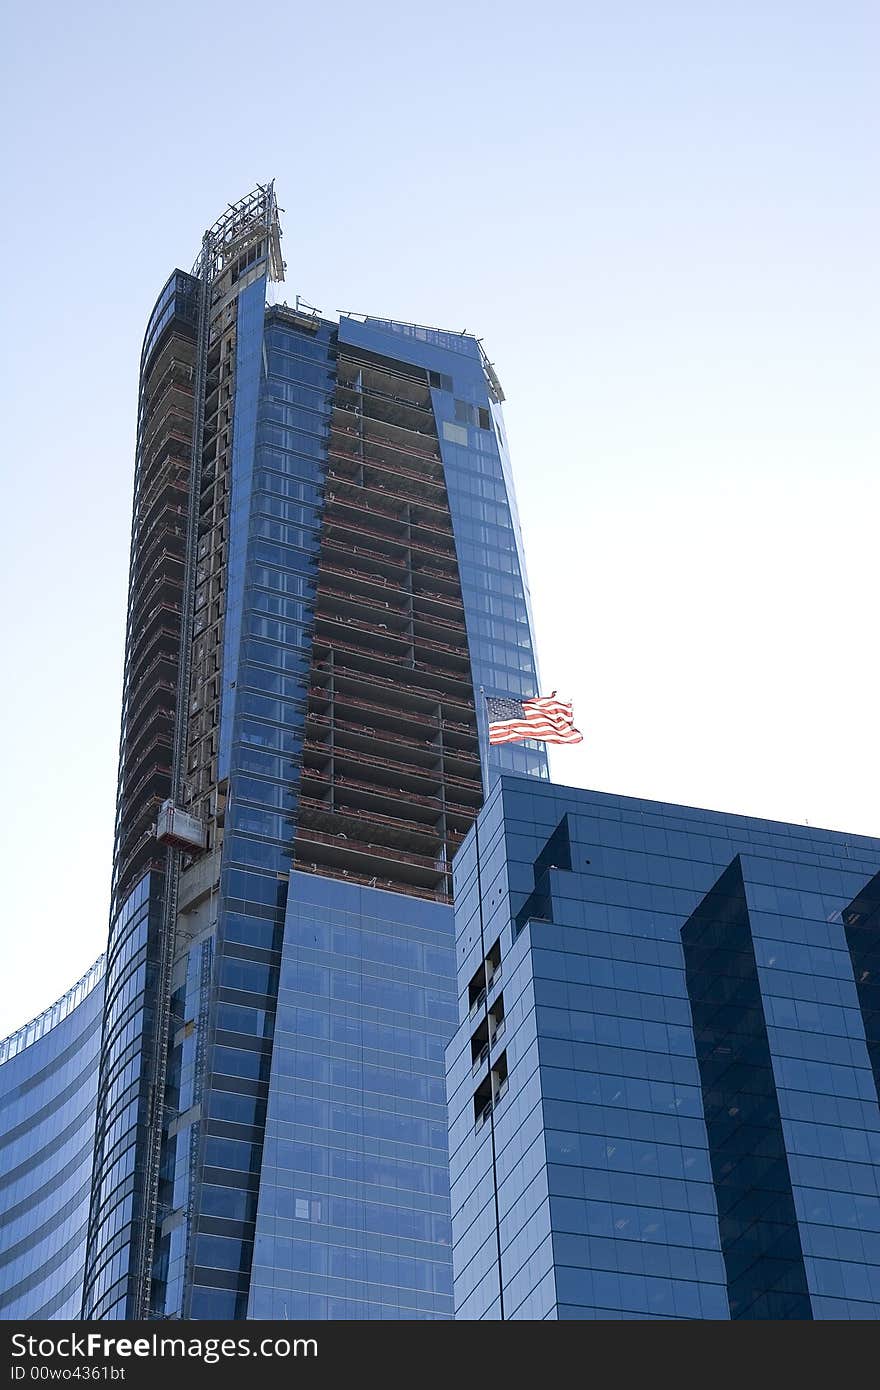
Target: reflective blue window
[662,1100]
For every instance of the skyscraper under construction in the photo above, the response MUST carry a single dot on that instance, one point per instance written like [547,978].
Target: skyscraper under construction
[663,1023]
[326,569]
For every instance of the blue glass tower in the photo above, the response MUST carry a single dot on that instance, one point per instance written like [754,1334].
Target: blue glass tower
[48,1086]
[326,567]
[663,1086]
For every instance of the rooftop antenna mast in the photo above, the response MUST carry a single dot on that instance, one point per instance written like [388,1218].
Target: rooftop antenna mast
[303,306]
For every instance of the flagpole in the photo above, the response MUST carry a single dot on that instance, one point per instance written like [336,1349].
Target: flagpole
[483,736]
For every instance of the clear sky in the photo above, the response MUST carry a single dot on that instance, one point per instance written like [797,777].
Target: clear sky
[663,219]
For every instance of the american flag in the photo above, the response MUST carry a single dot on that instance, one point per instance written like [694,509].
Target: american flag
[545,717]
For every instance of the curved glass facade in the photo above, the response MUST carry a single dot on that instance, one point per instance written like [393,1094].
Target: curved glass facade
[48,1086]
[122,1094]
[149,717]
[466,401]
[372,582]
[326,576]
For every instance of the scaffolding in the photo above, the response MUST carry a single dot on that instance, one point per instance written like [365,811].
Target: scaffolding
[391,775]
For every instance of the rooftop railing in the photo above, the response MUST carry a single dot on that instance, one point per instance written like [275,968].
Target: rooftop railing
[44,1022]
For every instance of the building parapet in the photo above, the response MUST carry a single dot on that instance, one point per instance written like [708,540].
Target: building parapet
[44,1022]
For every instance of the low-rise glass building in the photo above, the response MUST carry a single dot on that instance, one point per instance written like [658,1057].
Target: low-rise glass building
[48,1087]
[664,1085]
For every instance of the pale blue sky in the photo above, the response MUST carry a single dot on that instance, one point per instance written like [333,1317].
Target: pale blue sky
[663,219]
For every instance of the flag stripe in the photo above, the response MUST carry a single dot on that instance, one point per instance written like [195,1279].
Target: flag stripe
[524,732]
